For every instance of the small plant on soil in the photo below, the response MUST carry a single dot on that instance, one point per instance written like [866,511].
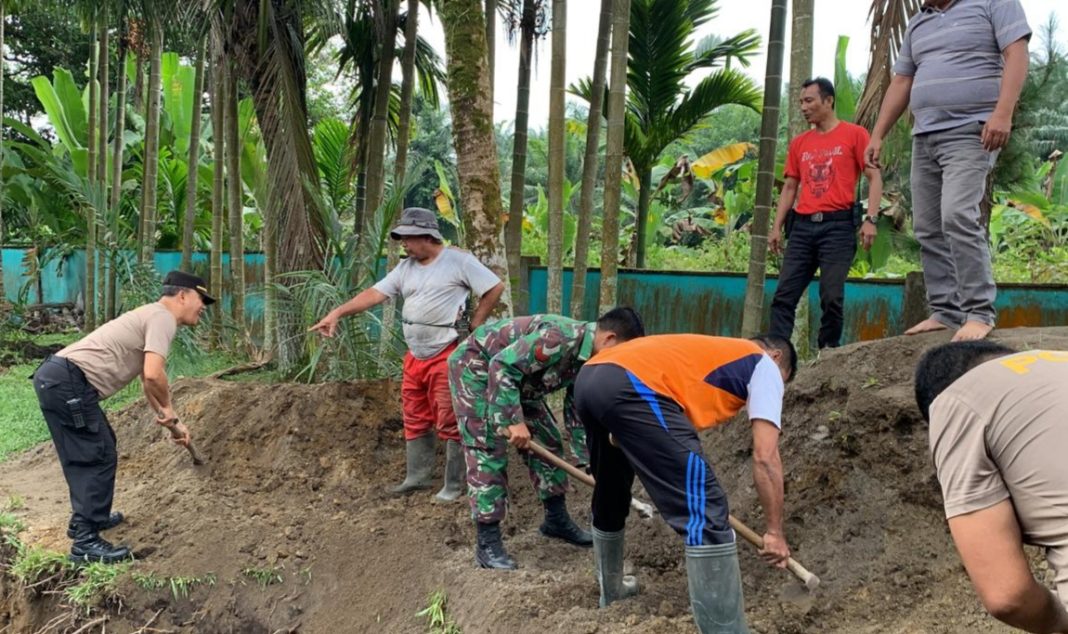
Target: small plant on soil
[15,502]
[870,382]
[10,525]
[180,586]
[98,585]
[35,566]
[437,619]
[264,576]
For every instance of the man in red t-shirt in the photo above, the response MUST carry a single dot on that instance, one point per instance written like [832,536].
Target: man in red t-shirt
[823,166]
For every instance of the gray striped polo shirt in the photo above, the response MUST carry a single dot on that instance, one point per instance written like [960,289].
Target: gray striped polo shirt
[954,56]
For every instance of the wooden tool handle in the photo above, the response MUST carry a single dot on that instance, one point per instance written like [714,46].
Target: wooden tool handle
[810,580]
[557,461]
[193,453]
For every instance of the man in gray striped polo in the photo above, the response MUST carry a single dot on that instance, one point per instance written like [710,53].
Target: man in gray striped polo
[961,67]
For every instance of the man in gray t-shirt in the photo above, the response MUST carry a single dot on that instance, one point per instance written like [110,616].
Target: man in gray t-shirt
[434,282]
[961,67]
[71,383]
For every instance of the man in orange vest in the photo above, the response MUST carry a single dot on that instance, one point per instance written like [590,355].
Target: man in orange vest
[642,403]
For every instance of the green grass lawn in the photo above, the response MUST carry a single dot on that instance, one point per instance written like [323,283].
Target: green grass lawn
[21,423]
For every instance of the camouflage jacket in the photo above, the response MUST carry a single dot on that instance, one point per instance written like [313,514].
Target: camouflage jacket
[530,357]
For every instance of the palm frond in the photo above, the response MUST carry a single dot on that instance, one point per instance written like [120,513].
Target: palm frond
[889,20]
[714,51]
[657,68]
[719,89]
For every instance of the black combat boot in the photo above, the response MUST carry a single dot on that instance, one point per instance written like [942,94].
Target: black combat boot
[89,547]
[113,520]
[490,552]
[560,525]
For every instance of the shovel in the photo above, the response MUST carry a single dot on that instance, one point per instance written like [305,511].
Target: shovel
[810,580]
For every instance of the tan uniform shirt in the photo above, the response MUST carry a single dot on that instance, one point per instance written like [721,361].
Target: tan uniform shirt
[114,354]
[1001,431]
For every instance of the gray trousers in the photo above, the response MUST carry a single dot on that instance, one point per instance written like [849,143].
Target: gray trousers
[949,170]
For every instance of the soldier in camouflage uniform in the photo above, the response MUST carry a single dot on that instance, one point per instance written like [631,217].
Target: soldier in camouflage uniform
[499,378]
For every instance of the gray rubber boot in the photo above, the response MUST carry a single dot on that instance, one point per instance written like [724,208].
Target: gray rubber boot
[455,472]
[608,556]
[716,589]
[420,460]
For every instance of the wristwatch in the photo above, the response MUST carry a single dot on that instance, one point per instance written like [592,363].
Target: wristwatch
[873,221]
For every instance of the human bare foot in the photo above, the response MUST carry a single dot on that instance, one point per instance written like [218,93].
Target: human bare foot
[927,325]
[973,331]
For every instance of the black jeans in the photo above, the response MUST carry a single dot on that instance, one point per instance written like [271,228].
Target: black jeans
[828,246]
[83,438]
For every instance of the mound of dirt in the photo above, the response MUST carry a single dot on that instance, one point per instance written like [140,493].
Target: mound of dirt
[296,483]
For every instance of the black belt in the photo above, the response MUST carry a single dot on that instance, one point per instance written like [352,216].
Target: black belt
[72,367]
[838,215]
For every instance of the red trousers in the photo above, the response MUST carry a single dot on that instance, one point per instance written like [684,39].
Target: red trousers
[425,397]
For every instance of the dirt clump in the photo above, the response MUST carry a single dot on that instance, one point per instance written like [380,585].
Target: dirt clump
[292,516]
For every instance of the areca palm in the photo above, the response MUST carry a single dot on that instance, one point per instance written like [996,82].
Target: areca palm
[361,51]
[661,108]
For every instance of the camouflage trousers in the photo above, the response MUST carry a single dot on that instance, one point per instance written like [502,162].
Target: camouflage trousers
[486,452]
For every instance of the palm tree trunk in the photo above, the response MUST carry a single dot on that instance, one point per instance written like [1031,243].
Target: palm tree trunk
[193,161]
[105,98]
[473,134]
[411,30]
[613,160]
[102,161]
[641,227]
[151,168]
[279,92]
[800,60]
[116,180]
[218,212]
[590,161]
[234,202]
[645,197]
[557,158]
[376,167]
[139,80]
[400,163]
[753,313]
[491,42]
[94,101]
[800,70]
[3,295]
[91,174]
[513,230]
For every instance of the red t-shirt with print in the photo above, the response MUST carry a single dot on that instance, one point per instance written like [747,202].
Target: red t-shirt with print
[827,165]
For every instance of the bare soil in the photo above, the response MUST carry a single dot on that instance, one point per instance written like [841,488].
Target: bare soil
[297,476]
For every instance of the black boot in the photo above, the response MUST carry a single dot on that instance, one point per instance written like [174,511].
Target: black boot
[113,520]
[560,525]
[490,552]
[89,547]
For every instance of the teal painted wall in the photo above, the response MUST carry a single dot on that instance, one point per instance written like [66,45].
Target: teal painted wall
[63,277]
[712,303]
[669,301]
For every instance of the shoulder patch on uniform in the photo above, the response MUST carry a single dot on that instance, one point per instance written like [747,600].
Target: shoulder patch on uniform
[734,377]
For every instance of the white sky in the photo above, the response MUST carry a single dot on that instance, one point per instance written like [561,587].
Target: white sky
[831,18]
